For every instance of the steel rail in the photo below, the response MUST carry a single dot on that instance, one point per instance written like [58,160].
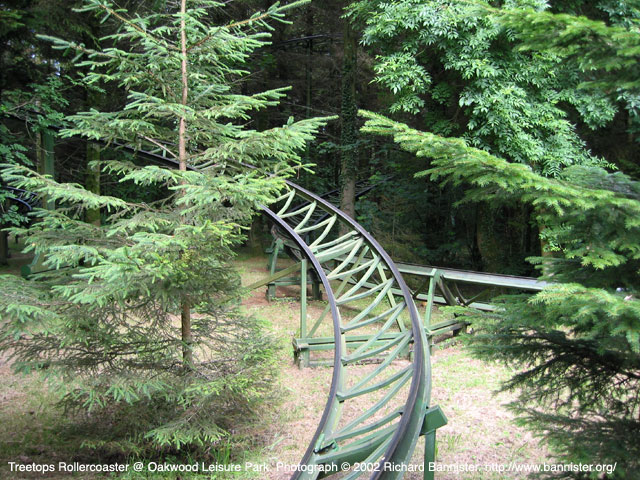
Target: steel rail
[20,196]
[337,371]
[400,446]
[472,277]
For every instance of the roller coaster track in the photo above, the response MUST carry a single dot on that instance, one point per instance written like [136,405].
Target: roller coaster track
[367,322]
[23,199]
[282,241]
[375,413]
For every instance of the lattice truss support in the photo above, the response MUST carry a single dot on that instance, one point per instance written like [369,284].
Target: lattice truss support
[367,318]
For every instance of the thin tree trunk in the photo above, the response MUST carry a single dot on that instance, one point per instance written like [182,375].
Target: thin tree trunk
[92,181]
[185,316]
[349,135]
[93,100]
[489,245]
[4,247]
[309,73]
[40,157]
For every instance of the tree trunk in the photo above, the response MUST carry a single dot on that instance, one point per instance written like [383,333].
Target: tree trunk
[46,161]
[489,245]
[349,134]
[4,247]
[185,315]
[92,181]
[309,73]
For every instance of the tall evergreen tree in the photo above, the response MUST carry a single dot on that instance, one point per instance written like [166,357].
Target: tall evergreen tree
[140,310]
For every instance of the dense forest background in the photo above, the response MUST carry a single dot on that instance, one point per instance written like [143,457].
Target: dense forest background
[471,85]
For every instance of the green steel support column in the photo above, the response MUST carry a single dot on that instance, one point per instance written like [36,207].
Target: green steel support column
[270,252]
[429,454]
[315,289]
[434,418]
[274,256]
[430,295]
[303,309]
[273,261]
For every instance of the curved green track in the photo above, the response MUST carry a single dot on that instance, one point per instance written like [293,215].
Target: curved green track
[381,381]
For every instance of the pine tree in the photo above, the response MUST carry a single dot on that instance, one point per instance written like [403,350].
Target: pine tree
[142,310]
[576,344]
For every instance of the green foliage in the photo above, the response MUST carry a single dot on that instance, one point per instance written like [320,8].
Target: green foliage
[576,344]
[104,321]
[46,101]
[604,50]
[463,70]
[592,45]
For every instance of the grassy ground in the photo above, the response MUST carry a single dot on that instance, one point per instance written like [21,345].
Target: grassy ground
[480,429]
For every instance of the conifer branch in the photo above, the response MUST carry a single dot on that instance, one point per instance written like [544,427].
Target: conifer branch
[126,21]
[60,44]
[158,144]
[229,27]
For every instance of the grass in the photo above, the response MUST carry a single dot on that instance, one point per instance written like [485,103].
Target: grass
[35,430]
[480,429]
